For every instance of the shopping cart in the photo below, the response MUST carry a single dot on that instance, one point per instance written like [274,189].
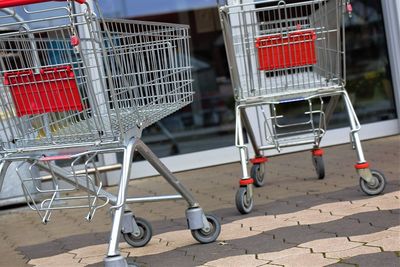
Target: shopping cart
[288,54]
[74,87]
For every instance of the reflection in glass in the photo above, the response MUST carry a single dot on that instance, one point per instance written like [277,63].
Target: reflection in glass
[208,122]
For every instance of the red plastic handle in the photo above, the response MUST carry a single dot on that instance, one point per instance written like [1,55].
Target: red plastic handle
[13,3]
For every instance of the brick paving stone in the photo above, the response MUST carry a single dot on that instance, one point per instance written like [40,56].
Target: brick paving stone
[209,252]
[155,246]
[96,259]
[278,207]
[395,228]
[177,239]
[388,201]
[310,216]
[62,260]
[270,256]
[309,260]
[299,234]
[344,208]
[13,258]
[307,201]
[42,250]
[236,261]
[342,264]
[345,227]
[373,260]
[330,244]
[375,218]
[269,223]
[77,241]
[89,251]
[232,231]
[371,237]
[345,194]
[352,252]
[256,220]
[261,243]
[291,194]
[391,243]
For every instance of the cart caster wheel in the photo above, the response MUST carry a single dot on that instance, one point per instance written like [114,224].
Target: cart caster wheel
[377,187]
[243,205]
[211,235]
[257,173]
[145,234]
[318,162]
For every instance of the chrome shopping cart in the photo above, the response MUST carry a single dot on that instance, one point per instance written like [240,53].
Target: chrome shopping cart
[75,86]
[288,54]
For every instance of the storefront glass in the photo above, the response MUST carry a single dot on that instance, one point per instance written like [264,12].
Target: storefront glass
[208,123]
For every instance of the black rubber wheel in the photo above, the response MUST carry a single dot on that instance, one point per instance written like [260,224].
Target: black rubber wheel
[318,162]
[143,238]
[257,173]
[205,237]
[377,187]
[243,205]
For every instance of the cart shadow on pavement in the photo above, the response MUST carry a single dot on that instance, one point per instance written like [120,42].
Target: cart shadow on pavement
[301,226]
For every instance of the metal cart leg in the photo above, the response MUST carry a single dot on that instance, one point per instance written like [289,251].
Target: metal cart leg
[258,169]
[3,170]
[114,259]
[205,228]
[244,195]
[371,182]
[250,132]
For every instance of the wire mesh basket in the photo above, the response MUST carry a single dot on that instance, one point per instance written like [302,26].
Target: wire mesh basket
[123,75]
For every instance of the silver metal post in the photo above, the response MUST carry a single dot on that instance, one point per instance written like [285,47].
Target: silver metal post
[240,143]
[355,127]
[250,132]
[145,151]
[120,207]
[3,170]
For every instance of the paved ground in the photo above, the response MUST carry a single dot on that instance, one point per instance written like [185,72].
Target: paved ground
[298,220]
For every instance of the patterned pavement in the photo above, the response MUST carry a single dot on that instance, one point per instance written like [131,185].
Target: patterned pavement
[297,220]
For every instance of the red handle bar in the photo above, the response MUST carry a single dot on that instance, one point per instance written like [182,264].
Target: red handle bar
[13,3]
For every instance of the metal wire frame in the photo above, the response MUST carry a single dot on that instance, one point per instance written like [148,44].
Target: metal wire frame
[245,24]
[128,75]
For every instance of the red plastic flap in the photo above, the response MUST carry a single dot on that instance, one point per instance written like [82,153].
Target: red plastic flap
[13,3]
[50,90]
[277,51]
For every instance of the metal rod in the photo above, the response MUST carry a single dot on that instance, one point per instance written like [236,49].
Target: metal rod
[153,199]
[145,151]
[101,169]
[250,132]
[66,176]
[330,108]
[120,206]
[3,170]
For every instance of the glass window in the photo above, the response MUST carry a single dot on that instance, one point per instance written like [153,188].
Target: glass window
[369,82]
[208,122]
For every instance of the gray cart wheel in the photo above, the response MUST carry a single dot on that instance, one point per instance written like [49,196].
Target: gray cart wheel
[243,204]
[205,237]
[377,187]
[143,238]
[318,162]
[257,173]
